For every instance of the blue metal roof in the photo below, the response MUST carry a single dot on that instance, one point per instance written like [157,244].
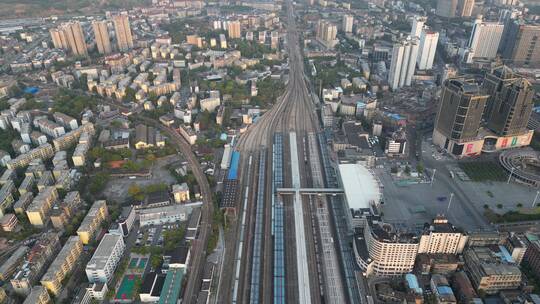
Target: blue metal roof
[233,170]
[412,281]
[444,290]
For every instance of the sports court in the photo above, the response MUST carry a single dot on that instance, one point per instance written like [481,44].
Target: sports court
[125,291]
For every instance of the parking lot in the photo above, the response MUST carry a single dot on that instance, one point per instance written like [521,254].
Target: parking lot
[415,204]
[153,235]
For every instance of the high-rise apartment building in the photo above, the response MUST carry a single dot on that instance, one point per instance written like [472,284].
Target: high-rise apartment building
[464,8]
[485,39]
[347,23]
[326,33]
[70,36]
[123,32]
[58,38]
[101,33]
[427,49]
[233,29]
[446,8]
[403,63]
[417,25]
[521,45]
[510,103]
[458,118]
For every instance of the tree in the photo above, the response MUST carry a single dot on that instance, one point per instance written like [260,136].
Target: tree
[420,168]
[519,205]
[499,206]
[407,170]
[486,206]
[135,192]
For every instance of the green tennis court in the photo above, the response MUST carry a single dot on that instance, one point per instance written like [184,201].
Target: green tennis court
[133,263]
[125,291]
[142,263]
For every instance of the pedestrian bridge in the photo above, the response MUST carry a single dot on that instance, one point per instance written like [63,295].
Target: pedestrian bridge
[311,191]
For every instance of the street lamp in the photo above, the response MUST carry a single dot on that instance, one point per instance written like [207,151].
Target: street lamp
[449,203]
[535,198]
[510,177]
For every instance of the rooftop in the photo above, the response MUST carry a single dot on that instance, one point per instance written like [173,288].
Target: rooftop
[104,251]
[361,187]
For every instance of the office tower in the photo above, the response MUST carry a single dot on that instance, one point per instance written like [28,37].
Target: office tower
[459,115]
[485,39]
[506,18]
[446,8]
[123,32]
[417,25]
[101,33]
[347,25]
[521,47]
[326,33]
[75,38]
[465,8]
[233,29]
[510,103]
[58,38]
[427,49]
[403,63]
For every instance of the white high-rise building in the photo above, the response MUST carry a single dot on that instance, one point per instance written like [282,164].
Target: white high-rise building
[403,63]
[485,39]
[348,22]
[442,237]
[103,263]
[417,25]
[427,49]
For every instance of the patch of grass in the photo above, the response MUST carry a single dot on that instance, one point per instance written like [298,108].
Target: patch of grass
[511,216]
[484,171]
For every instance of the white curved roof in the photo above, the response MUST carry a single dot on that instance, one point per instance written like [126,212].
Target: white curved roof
[361,187]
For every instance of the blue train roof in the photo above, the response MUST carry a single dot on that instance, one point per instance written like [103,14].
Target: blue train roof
[233,170]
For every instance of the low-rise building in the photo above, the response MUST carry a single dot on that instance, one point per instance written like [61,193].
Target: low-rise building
[8,268]
[442,290]
[491,269]
[9,222]
[38,295]
[165,214]
[42,152]
[65,141]
[65,120]
[189,135]
[180,192]
[33,267]
[27,184]
[103,263]
[38,211]
[147,137]
[92,221]
[125,221]
[23,202]
[62,265]
[6,196]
